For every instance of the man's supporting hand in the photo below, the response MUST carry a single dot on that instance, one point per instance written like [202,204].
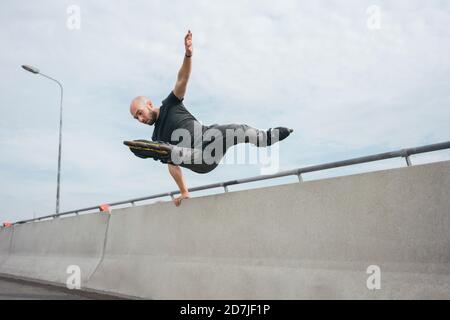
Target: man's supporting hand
[178,200]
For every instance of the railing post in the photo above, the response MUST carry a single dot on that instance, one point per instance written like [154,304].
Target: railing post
[225,187]
[406,156]
[408,161]
[299,176]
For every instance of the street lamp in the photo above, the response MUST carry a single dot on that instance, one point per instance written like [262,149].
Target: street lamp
[36,71]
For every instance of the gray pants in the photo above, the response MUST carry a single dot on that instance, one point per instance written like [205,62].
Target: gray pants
[211,148]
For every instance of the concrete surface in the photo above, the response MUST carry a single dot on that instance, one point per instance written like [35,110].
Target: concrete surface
[20,290]
[299,241]
[311,240]
[44,250]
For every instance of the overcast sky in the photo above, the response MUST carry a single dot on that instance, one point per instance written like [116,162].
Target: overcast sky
[349,84]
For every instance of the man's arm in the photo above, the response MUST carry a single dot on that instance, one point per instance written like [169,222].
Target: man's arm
[185,70]
[177,175]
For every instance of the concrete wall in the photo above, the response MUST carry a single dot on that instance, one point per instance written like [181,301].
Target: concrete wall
[298,241]
[5,243]
[44,250]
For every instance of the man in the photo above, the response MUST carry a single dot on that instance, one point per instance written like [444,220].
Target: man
[173,121]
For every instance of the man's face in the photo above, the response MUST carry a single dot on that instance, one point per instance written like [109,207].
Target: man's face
[144,113]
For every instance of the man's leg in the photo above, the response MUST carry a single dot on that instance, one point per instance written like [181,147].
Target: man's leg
[242,133]
[206,156]
[201,161]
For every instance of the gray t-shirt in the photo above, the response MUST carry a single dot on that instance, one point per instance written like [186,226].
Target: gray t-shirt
[173,115]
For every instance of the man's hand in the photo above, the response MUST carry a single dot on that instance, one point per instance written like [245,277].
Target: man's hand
[176,173]
[188,43]
[178,200]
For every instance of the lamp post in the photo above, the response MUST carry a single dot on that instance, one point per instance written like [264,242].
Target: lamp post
[36,71]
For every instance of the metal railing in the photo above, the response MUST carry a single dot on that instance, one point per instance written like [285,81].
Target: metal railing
[404,153]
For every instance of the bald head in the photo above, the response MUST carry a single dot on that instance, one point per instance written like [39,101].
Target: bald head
[137,103]
[141,108]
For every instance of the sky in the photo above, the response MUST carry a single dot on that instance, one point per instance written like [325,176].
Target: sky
[352,78]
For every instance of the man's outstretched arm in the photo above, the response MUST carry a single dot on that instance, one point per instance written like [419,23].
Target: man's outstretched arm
[185,70]
[177,175]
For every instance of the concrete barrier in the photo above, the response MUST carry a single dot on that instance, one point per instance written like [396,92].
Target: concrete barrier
[44,250]
[316,240]
[5,243]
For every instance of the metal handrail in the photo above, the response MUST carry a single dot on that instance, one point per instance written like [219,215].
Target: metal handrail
[404,153]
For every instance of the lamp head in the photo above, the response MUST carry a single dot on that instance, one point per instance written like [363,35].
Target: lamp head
[30,68]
